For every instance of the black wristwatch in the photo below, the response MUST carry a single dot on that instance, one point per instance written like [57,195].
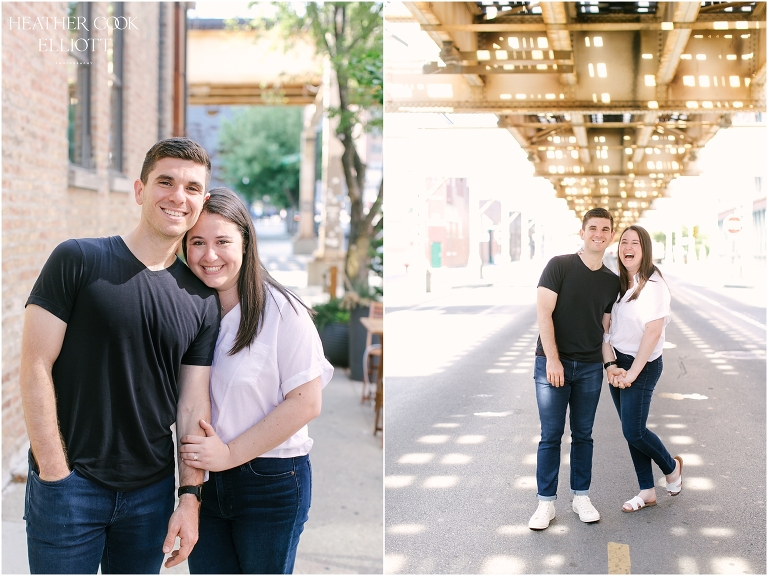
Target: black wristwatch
[611,363]
[196,490]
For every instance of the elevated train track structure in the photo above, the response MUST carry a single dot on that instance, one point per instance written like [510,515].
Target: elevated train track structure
[610,100]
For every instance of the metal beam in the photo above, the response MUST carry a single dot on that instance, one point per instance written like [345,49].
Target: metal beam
[590,27]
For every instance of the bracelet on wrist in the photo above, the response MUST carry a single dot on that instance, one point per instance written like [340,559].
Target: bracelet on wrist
[611,363]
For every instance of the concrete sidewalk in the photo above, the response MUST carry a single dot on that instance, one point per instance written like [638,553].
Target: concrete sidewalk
[344,534]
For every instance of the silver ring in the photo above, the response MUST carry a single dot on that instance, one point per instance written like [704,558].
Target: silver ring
[195,456]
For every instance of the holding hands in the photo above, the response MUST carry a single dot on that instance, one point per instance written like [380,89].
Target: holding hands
[620,378]
[205,452]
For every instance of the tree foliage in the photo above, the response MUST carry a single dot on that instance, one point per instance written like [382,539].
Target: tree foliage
[351,35]
[259,148]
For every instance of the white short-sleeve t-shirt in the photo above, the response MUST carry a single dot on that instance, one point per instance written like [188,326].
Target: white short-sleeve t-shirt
[628,319]
[247,386]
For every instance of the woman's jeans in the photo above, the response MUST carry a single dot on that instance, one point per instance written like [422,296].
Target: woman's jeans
[252,517]
[73,524]
[581,391]
[633,405]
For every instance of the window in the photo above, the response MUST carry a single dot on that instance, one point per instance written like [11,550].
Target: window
[79,80]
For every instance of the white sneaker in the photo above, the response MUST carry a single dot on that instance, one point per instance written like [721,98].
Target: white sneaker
[583,507]
[543,515]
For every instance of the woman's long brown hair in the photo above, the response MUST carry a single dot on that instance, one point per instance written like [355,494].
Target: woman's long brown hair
[253,280]
[647,267]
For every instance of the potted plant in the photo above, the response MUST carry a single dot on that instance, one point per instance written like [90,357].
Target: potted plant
[332,322]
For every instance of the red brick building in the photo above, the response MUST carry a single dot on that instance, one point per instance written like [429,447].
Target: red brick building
[76,125]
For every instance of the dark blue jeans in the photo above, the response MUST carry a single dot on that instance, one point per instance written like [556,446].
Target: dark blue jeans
[581,392]
[73,524]
[252,517]
[633,405]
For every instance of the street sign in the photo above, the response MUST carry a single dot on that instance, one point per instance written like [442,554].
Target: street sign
[733,224]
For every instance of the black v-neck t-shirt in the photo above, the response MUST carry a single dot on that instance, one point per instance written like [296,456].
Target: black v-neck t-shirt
[583,296]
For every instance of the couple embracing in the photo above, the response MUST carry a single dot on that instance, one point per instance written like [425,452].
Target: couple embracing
[121,339]
[591,320]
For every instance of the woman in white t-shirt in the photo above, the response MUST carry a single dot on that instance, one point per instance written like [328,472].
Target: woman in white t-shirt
[267,377]
[634,344]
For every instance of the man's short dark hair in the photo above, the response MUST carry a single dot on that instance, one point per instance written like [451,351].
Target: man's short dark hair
[596,213]
[181,148]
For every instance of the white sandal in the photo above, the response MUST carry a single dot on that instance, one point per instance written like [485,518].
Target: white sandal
[676,487]
[637,503]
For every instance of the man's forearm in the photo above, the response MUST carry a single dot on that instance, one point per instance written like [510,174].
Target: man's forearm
[187,422]
[547,335]
[39,403]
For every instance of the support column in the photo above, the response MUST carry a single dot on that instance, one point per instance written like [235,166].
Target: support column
[305,242]
[330,250]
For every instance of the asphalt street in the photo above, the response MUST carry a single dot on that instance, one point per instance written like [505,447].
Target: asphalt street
[462,431]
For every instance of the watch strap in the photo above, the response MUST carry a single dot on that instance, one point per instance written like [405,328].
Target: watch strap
[196,490]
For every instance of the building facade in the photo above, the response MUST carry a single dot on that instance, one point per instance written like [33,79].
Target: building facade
[87,89]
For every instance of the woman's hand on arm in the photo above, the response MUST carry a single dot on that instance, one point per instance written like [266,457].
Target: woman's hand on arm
[206,452]
[301,405]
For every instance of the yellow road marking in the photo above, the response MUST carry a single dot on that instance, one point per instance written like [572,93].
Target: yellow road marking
[618,558]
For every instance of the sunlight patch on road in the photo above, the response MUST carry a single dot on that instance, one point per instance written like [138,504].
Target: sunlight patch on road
[470,439]
[530,459]
[441,482]
[433,439]
[692,459]
[456,459]
[553,560]
[416,458]
[698,483]
[730,566]
[677,396]
[501,564]
[398,481]
[493,414]
[681,440]
[688,565]
[394,563]
[495,371]
[513,530]
[446,425]
[406,529]
[675,426]
[678,530]
[717,532]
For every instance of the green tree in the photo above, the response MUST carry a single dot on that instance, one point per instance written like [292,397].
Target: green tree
[259,149]
[351,35]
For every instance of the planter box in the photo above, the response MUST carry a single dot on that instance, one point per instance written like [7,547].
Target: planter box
[335,339]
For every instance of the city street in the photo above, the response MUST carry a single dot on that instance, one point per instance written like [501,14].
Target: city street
[463,429]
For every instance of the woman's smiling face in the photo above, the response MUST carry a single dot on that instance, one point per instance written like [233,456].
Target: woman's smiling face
[630,252]
[215,251]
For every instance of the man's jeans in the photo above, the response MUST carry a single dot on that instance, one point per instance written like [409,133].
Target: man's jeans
[252,517]
[73,524]
[633,405]
[581,391]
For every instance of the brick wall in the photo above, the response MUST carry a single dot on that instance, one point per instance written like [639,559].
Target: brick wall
[39,207]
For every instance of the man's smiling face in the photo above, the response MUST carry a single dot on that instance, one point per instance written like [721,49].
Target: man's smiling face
[172,198]
[597,234]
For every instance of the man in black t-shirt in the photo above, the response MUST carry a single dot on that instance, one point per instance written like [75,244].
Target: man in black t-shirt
[117,345]
[574,299]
